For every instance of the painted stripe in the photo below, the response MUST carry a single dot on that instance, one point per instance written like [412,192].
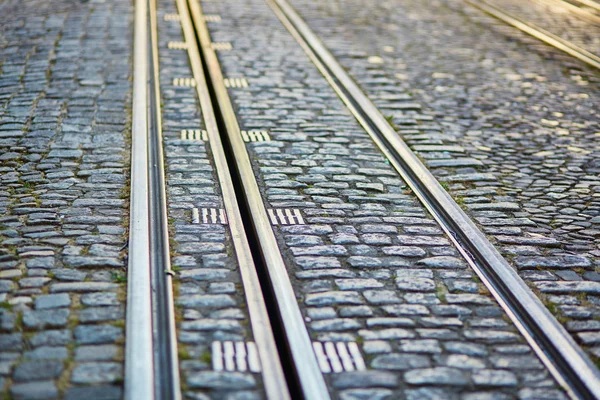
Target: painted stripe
[321,357]
[217,356]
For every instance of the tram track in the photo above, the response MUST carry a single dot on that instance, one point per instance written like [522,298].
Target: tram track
[591,4]
[151,320]
[260,261]
[550,340]
[540,33]
[273,374]
[151,362]
[286,312]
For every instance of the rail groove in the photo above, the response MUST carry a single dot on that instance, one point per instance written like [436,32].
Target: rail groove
[551,342]
[167,385]
[296,339]
[151,348]
[274,379]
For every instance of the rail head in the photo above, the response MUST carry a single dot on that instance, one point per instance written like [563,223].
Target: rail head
[139,362]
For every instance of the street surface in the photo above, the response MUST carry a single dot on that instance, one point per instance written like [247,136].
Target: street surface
[391,307]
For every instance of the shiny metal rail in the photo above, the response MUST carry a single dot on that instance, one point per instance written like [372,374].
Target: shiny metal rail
[296,339]
[581,12]
[274,379]
[552,343]
[537,32]
[151,362]
[166,360]
[139,360]
[588,3]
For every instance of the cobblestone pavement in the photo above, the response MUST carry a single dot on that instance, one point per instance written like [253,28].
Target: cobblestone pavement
[370,267]
[211,306]
[64,123]
[510,125]
[554,17]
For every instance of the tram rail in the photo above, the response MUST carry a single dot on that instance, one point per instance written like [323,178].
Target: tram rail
[152,370]
[540,33]
[580,9]
[553,344]
[591,4]
[288,360]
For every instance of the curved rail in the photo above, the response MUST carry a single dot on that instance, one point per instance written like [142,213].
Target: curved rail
[551,342]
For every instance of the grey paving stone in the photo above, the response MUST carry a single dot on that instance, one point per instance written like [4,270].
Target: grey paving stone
[54,318]
[206,324]
[100,299]
[383,334]
[12,341]
[51,338]
[365,379]
[331,298]
[216,301]
[436,376]
[415,284]
[400,362]
[361,394]
[97,372]
[34,390]
[79,287]
[94,392]
[541,393]
[48,353]
[52,301]
[101,314]
[443,262]
[97,334]
[221,380]
[333,325]
[489,377]
[569,287]
[38,370]
[420,346]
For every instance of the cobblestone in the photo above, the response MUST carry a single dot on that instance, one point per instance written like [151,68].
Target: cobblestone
[64,96]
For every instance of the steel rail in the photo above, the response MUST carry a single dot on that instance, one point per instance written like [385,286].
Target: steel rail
[537,32]
[572,8]
[139,360]
[167,384]
[272,372]
[151,363]
[309,376]
[552,343]
[588,3]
